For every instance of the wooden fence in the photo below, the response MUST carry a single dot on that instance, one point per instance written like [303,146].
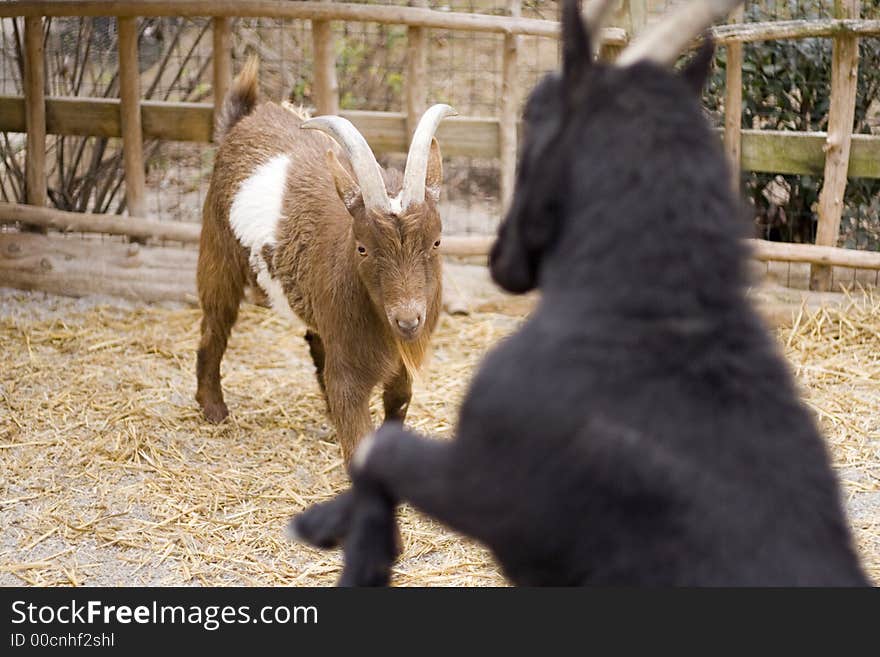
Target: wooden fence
[837,155]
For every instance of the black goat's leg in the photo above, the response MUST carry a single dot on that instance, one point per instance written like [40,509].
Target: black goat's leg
[324,525]
[422,472]
[372,543]
[392,466]
[361,519]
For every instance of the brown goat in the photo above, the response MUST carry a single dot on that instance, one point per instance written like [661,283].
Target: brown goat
[311,223]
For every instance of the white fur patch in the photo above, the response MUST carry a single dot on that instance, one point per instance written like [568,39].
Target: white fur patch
[256,207]
[254,217]
[396,207]
[362,453]
[271,286]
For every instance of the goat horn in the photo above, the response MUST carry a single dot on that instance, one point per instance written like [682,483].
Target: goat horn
[366,169]
[417,158]
[663,42]
[594,14]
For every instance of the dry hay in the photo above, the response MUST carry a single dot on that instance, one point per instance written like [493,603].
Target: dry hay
[109,476]
[835,353]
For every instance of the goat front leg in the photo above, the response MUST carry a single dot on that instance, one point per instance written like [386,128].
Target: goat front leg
[397,395]
[421,471]
[348,400]
[361,518]
[405,468]
[316,351]
[393,466]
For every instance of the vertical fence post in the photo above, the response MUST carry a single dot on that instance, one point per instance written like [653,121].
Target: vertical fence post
[35,114]
[510,98]
[326,86]
[416,72]
[733,97]
[130,117]
[221,56]
[844,87]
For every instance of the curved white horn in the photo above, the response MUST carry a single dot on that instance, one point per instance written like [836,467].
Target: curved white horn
[594,13]
[664,42]
[419,149]
[366,169]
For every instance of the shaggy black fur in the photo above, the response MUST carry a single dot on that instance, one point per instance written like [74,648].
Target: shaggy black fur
[641,428]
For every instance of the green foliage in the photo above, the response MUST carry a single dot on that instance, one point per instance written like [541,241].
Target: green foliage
[369,68]
[787,86]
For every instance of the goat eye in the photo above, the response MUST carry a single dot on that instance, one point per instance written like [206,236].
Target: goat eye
[362,249]
[437,244]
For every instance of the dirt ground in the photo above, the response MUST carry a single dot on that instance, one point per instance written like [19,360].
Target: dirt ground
[109,475]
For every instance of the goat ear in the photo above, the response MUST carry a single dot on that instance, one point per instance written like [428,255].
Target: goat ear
[697,70]
[577,52]
[434,176]
[346,185]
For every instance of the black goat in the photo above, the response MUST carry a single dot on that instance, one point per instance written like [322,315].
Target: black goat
[641,427]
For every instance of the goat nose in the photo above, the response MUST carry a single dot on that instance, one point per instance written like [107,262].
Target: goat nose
[409,323]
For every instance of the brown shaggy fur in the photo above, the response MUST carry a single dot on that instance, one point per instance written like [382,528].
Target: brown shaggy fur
[347,299]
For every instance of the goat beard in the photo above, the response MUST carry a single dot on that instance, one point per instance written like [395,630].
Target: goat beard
[414,354]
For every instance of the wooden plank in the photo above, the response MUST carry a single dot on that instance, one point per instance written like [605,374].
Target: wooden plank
[130,118]
[75,267]
[830,256]
[416,73]
[177,121]
[385,132]
[796,29]
[35,112]
[777,151]
[771,151]
[99,117]
[221,56]
[326,92]
[844,89]
[733,96]
[295,10]
[469,137]
[12,114]
[185,232]
[110,224]
[509,119]
[783,152]
[458,136]
[723,34]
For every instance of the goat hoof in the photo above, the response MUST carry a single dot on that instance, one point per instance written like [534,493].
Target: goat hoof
[323,525]
[215,412]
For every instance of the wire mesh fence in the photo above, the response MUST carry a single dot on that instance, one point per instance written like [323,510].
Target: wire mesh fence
[175,62]
[786,87]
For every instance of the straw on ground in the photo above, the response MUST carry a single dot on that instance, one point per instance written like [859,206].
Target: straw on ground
[109,475]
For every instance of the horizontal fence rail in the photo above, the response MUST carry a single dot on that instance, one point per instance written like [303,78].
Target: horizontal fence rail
[800,29]
[410,16]
[784,152]
[464,245]
[320,11]
[769,151]
[186,232]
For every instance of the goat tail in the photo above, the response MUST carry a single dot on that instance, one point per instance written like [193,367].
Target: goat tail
[240,99]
